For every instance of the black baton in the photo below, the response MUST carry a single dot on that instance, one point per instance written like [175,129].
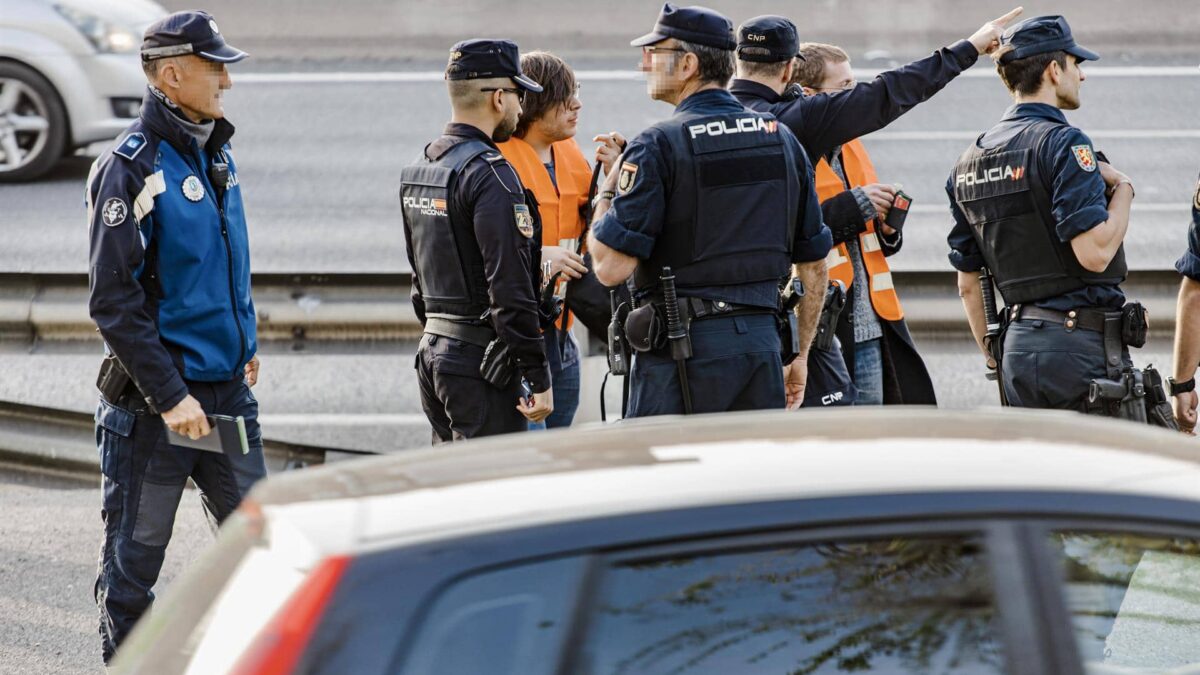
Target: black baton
[992,319]
[677,336]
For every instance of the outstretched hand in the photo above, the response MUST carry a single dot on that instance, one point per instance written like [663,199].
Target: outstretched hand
[987,38]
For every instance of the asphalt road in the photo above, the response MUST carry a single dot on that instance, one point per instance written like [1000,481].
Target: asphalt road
[320,163]
[50,536]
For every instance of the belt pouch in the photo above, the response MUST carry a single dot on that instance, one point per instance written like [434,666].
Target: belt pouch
[1134,326]
[497,366]
[112,379]
[644,328]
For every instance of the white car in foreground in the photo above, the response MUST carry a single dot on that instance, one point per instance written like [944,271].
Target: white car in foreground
[70,76]
[867,540]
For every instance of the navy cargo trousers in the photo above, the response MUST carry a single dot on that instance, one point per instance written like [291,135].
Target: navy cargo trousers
[1047,366]
[734,366]
[143,480]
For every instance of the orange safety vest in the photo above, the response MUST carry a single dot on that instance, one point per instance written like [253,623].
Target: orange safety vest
[562,222]
[859,171]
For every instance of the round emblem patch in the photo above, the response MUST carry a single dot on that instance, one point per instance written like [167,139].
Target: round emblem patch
[193,189]
[213,25]
[114,212]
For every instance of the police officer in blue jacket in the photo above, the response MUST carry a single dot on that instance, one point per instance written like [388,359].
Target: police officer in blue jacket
[170,293]
[474,242]
[824,121]
[724,197]
[1187,326]
[1033,203]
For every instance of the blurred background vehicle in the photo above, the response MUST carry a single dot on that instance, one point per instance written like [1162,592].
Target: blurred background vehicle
[911,541]
[69,76]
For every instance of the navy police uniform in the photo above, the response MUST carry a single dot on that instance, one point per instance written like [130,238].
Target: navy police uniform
[824,121]
[1018,196]
[474,243]
[1189,263]
[724,196]
[170,293]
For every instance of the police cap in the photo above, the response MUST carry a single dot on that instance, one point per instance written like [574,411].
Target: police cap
[1039,35]
[190,32]
[698,25]
[482,59]
[768,39]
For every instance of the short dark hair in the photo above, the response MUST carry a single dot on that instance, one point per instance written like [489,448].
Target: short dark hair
[764,69]
[716,65]
[1024,76]
[558,87]
[810,71]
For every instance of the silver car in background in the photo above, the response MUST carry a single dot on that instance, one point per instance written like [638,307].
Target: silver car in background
[69,76]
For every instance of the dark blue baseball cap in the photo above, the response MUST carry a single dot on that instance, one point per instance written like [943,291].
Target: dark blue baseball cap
[699,25]
[190,32]
[1039,35]
[768,39]
[481,58]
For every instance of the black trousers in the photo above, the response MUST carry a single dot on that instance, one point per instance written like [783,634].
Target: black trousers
[458,402]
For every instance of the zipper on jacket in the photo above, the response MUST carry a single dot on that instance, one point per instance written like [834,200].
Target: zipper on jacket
[217,198]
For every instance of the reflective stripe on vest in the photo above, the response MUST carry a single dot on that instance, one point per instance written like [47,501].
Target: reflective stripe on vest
[562,222]
[859,171]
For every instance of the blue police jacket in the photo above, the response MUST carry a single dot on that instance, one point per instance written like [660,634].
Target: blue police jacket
[1067,164]
[170,259]
[707,188]
[1189,263]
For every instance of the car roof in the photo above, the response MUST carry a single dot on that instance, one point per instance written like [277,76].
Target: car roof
[654,464]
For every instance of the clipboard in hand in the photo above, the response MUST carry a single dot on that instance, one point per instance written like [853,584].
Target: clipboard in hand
[228,436]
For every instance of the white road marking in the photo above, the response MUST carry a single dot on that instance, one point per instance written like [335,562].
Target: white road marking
[947,135]
[1160,207]
[342,420]
[632,74]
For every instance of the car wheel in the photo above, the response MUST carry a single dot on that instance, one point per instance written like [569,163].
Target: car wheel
[33,124]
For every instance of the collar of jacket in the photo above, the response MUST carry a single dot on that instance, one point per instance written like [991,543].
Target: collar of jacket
[750,88]
[1020,111]
[164,122]
[718,99]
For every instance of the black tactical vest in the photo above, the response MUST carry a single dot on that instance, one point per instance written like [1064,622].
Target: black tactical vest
[1006,201]
[449,265]
[734,196]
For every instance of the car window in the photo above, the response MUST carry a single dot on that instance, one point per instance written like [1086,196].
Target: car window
[900,605]
[509,621]
[1134,600]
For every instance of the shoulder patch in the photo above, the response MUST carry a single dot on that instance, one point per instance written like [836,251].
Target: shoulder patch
[131,146]
[628,176]
[114,212]
[524,220]
[1084,157]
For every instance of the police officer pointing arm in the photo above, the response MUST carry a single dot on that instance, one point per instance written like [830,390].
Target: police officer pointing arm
[474,242]
[722,197]
[826,120]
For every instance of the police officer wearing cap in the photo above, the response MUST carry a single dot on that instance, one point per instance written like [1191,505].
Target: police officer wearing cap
[722,196]
[474,243]
[1034,204]
[767,46]
[1187,326]
[170,293]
